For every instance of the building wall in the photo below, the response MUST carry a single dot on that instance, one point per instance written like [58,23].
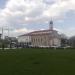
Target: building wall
[44,41]
[24,39]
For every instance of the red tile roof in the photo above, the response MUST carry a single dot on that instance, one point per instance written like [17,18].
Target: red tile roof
[38,32]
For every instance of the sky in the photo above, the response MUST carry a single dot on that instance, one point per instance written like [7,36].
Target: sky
[23,16]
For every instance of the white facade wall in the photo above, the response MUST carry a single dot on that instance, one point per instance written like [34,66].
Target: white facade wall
[24,39]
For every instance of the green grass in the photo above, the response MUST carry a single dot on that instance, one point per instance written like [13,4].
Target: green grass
[37,61]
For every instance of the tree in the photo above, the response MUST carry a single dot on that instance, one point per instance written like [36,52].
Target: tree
[72,41]
[64,40]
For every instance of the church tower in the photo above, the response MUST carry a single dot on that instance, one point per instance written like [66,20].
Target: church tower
[51,25]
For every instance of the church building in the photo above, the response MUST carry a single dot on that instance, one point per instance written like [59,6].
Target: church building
[44,38]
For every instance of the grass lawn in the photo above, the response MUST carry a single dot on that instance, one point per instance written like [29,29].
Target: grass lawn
[37,61]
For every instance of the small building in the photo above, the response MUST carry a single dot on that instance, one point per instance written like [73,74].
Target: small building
[11,41]
[24,40]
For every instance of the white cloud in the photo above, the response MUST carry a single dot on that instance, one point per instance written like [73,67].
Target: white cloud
[70,32]
[18,12]
[20,31]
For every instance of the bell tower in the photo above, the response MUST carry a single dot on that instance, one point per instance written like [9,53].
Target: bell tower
[51,25]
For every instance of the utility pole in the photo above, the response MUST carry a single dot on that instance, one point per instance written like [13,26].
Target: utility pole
[8,32]
[2,39]
[2,32]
